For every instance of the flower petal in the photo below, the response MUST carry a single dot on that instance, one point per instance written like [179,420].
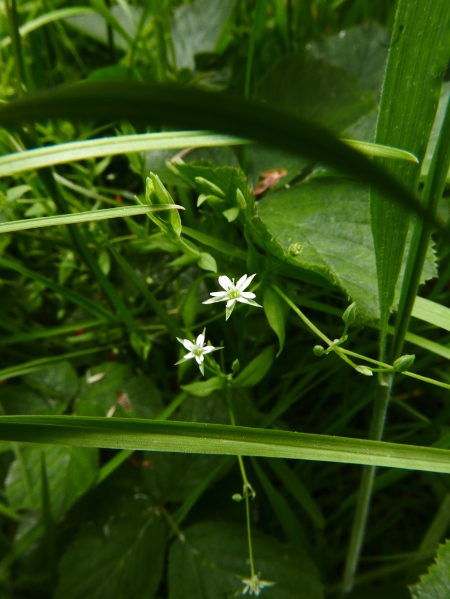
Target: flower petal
[187,344]
[219,293]
[243,300]
[248,294]
[225,282]
[240,283]
[198,359]
[247,282]
[200,340]
[189,356]
[231,302]
[209,348]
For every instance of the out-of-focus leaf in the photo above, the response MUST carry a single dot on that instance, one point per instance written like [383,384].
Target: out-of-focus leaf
[196,28]
[204,388]
[303,85]
[173,476]
[119,554]
[276,313]
[70,472]
[58,381]
[131,396]
[435,584]
[256,370]
[220,560]
[443,101]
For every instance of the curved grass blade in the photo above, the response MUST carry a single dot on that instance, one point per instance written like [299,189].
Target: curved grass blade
[182,106]
[381,151]
[51,17]
[82,217]
[218,439]
[111,146]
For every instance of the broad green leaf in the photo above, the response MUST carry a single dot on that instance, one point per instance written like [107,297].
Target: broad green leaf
[324,225]
[204,388]
[110,146]
[119,390]
[82,217]
[194,437]
[70,471]
[196,28]
[118,554]
[186,106]
[435,584]
[20,399]
[220,560]
[303,85]
[207,262]
[276,313]
[411,88]
[256,370]
[174,476]
[58,381]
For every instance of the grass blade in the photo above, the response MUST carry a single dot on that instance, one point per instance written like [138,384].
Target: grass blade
[217,439]
[82,217]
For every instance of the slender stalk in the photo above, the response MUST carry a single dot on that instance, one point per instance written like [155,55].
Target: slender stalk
[11,13]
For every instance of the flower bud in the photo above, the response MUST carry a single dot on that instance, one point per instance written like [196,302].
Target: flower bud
[364,370]
[235,366]
[404,362]
[241,200]
[349,315]
[237,497]
[318,350]
[295,249]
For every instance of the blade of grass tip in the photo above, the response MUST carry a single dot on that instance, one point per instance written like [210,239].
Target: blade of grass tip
[292,528]
[47,521]
[33,365]
[188,107]
[297,490]
[381,151]
[51,17]
[155,305]
[13,24]
[217,439]
[79,300]
[431,197]
[81,217]
[123,455]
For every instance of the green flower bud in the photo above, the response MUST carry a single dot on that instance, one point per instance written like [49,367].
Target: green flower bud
[318,350]
[404,362]
[237,497]
[364,370]
[235,366]
[295,249]
[349,315]
[241,200]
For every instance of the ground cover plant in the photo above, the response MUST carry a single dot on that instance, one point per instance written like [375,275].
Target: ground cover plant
[224,270]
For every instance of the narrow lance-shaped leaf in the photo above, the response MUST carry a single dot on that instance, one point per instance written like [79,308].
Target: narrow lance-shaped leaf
[414,74]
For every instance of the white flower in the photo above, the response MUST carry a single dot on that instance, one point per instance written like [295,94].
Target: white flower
[255,585]
[233,293]
[197,350]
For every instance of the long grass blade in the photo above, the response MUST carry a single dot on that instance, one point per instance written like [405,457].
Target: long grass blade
[217,439]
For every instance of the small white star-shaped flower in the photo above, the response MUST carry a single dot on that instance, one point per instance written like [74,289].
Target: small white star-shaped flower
[197,350]
[255,585]
[233,293]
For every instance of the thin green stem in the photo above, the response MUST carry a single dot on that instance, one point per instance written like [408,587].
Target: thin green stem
[249,536]
[11,12]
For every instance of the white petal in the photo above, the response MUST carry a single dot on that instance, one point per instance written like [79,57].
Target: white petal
[213,300]
[241,282]
[248,294]
[231,302]
[247,282]
[200,340]
[225,282]
[187,344]
[189,356]
[202,357]
[219,293]
[198,359]
[209,348]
